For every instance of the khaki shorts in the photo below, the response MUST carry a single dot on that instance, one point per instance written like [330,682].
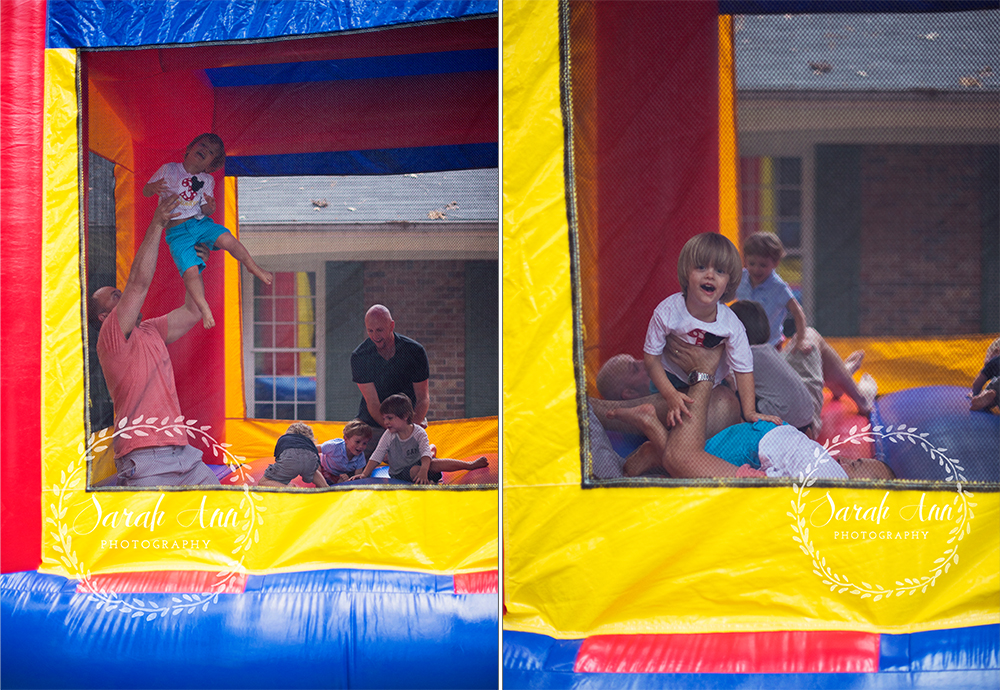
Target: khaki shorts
[294,462]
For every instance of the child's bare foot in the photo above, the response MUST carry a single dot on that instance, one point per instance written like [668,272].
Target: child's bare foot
[434,451]
[479,463]
[207,320]
[641,416]
[985,398]
[868,390]
[853,361]
[266,276]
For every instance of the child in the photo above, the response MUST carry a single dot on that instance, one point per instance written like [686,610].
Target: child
[342,458]
[762,251]
[405,447]
[295,455]
[190,225]
[986,387]
[708,271]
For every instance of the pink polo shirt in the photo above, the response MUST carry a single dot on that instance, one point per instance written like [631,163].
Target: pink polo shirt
[140,379]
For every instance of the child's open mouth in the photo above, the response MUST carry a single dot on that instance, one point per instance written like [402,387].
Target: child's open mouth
[710,289]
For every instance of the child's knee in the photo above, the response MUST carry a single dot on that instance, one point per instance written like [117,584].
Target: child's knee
[191,273]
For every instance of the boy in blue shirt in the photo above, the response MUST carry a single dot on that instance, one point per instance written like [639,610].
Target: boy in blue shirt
[762,251]
[342,458]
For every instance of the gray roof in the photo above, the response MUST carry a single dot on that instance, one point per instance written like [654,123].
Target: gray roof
[952,51]
[455,195]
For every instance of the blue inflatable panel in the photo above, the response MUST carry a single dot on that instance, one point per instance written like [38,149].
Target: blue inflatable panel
[104,23]
[324,629]
[378,67]
[958,658]
[970,439]
[372,162]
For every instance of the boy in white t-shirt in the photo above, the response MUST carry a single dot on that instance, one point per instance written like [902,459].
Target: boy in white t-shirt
[405,447]
[709,272]
[190,224]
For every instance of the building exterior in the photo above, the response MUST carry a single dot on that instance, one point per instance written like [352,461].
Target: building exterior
[869,143]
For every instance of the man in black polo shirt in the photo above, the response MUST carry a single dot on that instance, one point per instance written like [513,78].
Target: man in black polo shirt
[388,363]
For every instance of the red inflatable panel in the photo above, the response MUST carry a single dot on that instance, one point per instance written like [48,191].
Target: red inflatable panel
[22,26]
[168,581]
[485,582]
[764,652]
[839,417]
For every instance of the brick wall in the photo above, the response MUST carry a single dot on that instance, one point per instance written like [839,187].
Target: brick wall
[427,301]
[921,240]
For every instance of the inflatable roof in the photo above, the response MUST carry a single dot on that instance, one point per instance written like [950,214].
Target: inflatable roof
[388,578]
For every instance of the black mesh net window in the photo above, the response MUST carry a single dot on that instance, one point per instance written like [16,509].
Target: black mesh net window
[863,196]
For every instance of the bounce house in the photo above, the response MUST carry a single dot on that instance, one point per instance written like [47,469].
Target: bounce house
[373,584]
[620,144]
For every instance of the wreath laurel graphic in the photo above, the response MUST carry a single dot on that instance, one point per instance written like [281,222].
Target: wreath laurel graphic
[908,585]
[70,480]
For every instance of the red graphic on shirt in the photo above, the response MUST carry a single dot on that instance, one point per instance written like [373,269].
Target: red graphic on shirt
[193,184]
[699,337]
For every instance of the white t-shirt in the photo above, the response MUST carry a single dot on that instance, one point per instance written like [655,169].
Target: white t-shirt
[671,316]
[399,453]
[191,189]
[785,452]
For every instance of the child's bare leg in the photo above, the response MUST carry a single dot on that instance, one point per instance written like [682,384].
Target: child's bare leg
[196,288]
[839,379]
[642,460]
[982,400]
[644,419]
[239,252]
[449,465]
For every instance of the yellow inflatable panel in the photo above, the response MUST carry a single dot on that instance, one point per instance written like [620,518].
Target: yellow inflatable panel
[655,559]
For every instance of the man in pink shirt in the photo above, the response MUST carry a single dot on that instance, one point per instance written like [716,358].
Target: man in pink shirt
[140,377]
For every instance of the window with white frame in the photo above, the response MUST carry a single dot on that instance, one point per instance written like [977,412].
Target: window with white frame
[771,201]
[285,352]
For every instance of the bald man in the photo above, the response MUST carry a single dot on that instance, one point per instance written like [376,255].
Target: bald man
[385,364]
[140,377]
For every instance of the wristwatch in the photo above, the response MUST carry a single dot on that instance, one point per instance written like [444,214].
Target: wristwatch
[699,376]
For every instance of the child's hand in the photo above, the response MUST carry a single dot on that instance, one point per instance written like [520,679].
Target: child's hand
[757,417]
[345,477]
[677,404]
[421,477]
[157,187]
[208,208]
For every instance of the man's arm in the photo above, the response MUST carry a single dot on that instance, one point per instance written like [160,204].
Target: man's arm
[183,318]
[422,391]
[371,401]
[140,275]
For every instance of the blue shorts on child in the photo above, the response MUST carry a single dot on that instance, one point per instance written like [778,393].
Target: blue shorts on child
[182,238]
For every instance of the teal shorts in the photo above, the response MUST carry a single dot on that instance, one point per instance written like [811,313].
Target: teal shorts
[182,238]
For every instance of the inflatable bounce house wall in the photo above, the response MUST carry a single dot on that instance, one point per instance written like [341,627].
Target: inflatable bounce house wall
[705,583]
[196,588]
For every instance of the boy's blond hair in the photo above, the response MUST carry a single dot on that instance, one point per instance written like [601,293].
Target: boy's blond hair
[764,244]
[356,427]
[711,249]
[213,138]
[302,430]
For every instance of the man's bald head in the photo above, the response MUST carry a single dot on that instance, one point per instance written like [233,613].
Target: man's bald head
[379,325]
[623,377]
